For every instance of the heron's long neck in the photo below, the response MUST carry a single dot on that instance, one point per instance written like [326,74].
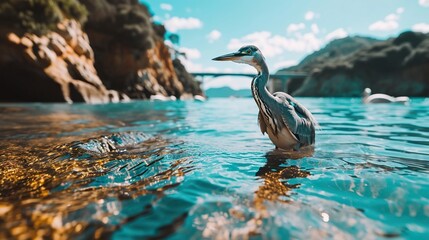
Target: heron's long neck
[259,83]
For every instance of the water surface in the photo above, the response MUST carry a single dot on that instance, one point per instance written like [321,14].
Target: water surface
[205,170]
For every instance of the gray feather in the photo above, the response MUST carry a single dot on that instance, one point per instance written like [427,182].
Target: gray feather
[297,118]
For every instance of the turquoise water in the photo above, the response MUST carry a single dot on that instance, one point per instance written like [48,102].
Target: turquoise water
[204,170]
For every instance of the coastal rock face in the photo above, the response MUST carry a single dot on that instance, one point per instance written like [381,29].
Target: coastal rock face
[53,58]
[190,86]
[57,66]
[397,66]
[130,52]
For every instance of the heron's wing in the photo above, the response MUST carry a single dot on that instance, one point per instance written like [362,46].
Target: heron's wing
[299,120]
[262,124]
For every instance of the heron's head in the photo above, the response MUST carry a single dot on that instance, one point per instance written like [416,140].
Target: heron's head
[248,54]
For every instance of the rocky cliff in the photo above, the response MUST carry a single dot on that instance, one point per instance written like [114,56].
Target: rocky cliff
[397,66]
[55,67]
[74,51]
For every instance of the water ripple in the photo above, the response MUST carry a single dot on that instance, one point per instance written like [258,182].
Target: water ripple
[183,170]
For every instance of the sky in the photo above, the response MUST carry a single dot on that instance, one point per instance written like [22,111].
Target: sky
[284,30]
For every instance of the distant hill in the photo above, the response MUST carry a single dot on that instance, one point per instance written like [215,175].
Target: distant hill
[396,66]
[224,92]
[335,50]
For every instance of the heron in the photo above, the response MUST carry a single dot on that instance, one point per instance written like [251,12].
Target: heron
[382,98]
[288,123]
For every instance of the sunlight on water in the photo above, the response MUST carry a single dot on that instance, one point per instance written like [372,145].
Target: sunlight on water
[203,170]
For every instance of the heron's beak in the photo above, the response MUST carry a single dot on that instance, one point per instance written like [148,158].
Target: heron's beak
[229,57]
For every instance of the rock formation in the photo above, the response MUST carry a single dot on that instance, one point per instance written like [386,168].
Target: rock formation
[48,56]
[56,67]
[397,66]
[130,52]
[190,86]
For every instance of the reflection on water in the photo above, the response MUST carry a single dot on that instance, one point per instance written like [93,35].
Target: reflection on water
[76,188]
[276,173]
[188,170]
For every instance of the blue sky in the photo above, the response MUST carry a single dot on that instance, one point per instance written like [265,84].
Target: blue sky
[285,30]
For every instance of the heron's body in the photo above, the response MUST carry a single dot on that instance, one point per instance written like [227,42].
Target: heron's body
[283,139]
[288,124]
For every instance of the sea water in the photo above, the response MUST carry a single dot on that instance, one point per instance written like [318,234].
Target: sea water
[204,170]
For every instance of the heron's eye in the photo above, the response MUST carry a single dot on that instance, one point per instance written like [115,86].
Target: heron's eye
[248,51]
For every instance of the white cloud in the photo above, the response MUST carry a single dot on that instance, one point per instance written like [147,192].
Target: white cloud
[214,35]
[191,66]
[315,28]
[232,82]
[247,69]
[166,7]
[175,23]
[389,23]
[309,15]
[305,43]
[336,34]
[400,10]
[294,27]
[269,45]
[285,64]
[392,17]
[273,45]
[384,26]
[191,53]
[156,19]
[421,27]
[212,69]
[424,3]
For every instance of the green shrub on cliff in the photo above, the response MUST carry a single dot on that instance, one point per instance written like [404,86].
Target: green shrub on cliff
[128,21]
[39,16]
[73,9]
